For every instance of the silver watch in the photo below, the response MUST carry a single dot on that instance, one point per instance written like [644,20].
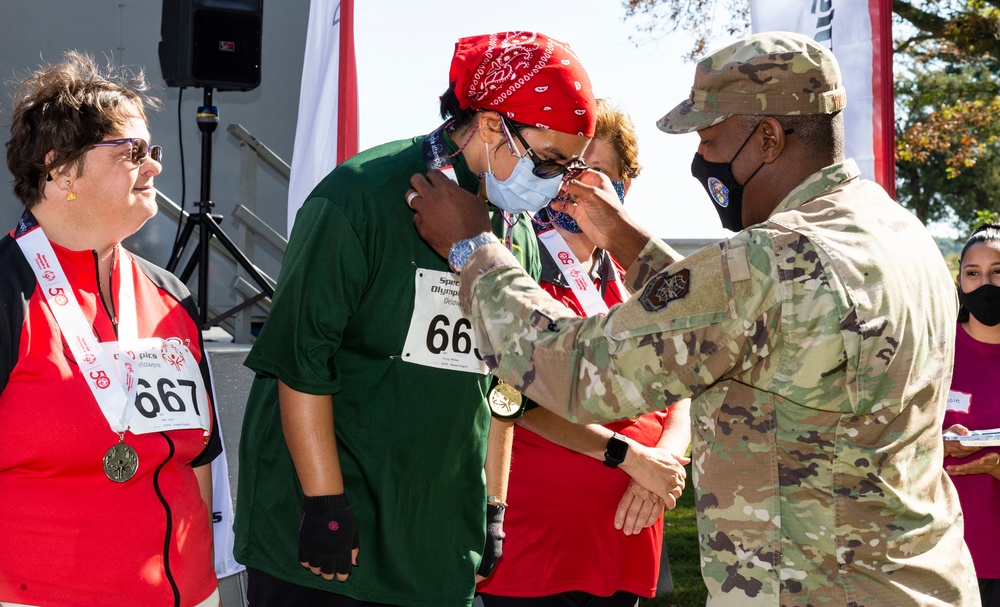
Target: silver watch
[460,251]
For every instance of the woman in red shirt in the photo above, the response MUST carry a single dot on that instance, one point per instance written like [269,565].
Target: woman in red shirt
[106,424]
[584,522]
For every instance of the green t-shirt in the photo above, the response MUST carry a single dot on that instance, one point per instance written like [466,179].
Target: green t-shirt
[411,438]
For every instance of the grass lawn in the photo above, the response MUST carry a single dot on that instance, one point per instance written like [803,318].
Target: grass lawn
[681,532]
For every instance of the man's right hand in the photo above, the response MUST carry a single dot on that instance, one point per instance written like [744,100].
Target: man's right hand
[328,536]
[593,203]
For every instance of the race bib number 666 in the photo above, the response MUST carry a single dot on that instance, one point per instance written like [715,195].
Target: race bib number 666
[440,335]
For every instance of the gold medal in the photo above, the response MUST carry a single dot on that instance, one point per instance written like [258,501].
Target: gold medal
[121,462]
[505,401]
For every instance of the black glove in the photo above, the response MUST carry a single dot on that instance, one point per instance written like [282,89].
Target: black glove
[328,532]
[494,540]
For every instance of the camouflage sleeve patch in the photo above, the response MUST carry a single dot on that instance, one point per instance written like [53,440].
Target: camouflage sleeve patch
[687,294]
[665,288]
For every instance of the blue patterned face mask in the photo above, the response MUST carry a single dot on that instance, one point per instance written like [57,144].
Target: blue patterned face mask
[620,189]
[563,220]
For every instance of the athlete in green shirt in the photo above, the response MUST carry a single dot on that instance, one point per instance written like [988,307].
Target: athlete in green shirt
[365,329]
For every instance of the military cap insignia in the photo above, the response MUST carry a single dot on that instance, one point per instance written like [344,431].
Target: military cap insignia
[665,288]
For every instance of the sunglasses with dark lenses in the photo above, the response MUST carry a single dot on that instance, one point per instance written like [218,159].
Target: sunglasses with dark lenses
[139,149]
[546,169]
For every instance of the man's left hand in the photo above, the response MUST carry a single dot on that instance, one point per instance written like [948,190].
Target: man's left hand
[445,213]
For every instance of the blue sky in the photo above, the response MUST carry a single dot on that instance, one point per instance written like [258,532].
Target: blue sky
[403,55]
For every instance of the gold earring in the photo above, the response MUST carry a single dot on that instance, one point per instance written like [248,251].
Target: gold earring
[70,194]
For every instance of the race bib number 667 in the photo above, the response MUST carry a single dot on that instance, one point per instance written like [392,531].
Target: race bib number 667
[169,392]
[440,335]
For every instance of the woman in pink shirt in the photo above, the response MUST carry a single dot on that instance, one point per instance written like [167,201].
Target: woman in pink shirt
[974,404]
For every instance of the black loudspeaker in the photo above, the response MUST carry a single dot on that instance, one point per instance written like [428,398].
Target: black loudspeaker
[211,43]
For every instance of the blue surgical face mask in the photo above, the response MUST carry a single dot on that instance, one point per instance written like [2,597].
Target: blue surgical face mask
[563,220]
[523,191]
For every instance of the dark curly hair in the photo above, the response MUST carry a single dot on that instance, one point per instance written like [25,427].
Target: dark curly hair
[65,108]
[987,232]
[450,108]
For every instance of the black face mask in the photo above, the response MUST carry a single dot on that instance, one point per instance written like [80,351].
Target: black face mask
[727,193]
[983,304]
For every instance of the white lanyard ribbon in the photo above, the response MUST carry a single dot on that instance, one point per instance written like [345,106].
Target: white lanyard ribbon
[436,157]
[113,385]
[579,281]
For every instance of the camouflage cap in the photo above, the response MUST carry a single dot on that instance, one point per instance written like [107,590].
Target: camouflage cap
[766,74]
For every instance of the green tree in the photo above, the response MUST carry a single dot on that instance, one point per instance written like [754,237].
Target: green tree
[965,29]
[984,217]
[701,19]
[947,138]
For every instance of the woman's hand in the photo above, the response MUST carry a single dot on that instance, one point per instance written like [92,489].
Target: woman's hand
[989,463]
[657,470]
[639,508]
[957,449]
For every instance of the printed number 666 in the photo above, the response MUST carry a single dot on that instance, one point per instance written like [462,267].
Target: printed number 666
[438,338]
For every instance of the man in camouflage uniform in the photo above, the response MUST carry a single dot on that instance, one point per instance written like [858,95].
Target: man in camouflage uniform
[816,344]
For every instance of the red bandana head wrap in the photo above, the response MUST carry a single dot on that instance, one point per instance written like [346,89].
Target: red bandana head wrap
[531,78]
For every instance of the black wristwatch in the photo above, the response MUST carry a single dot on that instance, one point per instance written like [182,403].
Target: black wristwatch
[614,453]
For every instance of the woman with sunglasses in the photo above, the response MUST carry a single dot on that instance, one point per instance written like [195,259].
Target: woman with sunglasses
[365,434]
[583,532]
[107,428]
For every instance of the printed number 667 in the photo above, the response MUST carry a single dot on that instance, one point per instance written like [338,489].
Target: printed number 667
[149,405]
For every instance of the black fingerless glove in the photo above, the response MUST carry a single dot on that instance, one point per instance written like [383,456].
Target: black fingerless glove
[494,540]
[328,532]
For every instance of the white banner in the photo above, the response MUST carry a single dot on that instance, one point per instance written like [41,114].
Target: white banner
[846,27]
[327,129]
[222,501]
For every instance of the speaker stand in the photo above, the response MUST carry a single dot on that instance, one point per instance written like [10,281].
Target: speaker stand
[208,227]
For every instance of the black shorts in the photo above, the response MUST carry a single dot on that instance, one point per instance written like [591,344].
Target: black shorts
[989,590]
[264,590]
[574,598]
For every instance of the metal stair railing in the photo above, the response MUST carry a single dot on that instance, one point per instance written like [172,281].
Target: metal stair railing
[250,230]
[250,227]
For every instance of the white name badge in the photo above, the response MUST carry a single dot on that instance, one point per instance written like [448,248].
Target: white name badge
[959,401]
[440,335]
[170,392]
